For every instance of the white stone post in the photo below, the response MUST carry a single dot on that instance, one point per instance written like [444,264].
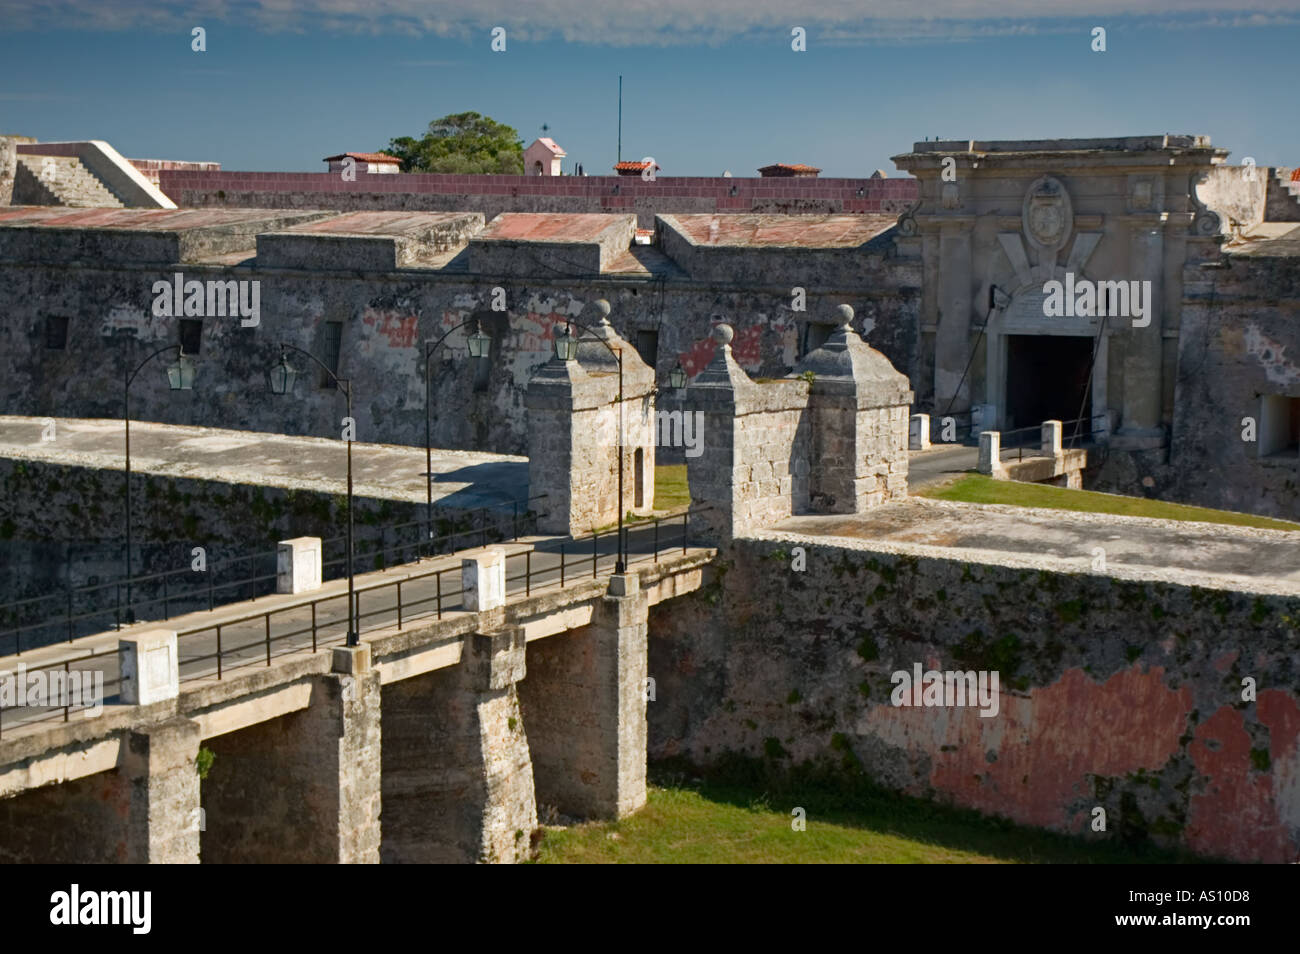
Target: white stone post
[1051,437]
[298,565]
[483,580]
[991,453]
[149,667]
[918,433]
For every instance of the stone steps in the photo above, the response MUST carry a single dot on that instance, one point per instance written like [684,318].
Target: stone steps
[63,180]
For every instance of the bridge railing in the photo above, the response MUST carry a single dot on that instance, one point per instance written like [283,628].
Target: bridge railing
[55,682]
[243,577]
[424,595]
[388,603]
[1031,437]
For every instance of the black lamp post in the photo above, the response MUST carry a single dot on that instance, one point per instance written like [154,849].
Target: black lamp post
[566,349]
[282,377]
[180,377]
[478,346]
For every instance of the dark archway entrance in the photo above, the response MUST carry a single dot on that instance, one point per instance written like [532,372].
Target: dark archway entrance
[1047,377]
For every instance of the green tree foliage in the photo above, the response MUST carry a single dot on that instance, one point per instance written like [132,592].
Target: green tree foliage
[462,144]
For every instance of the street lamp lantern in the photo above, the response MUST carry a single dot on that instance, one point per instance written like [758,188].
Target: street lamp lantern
[566,346]
[677,377]
[282,376]
[479,342]
[180,376]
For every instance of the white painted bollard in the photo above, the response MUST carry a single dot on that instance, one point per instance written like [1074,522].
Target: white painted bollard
[149,667]
[298,565]
[990,453]
[918,432]
[483,580]
[1051,437]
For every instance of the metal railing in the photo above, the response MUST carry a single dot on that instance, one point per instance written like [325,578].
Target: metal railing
[246,576]
[1032,437]
[66,668]
[411,597]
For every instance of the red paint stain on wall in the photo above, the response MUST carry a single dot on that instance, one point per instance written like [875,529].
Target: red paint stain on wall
[698,358]
[1046,744]
[400,329]
[1241,812]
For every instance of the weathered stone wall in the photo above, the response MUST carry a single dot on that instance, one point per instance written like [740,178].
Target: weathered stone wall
[1115,693]
[457,774]
[144,811]
[302,788]
[62,524]
[384,318]
[9,165]
[1239,343]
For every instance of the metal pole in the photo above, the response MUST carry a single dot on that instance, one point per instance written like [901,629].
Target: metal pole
[621,564]
[353,638]
[126,420]
[428,443]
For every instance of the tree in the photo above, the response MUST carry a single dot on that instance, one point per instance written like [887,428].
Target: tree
[463,144]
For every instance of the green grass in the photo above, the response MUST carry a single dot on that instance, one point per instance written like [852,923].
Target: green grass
[981,489]
[671,491]
[702,822]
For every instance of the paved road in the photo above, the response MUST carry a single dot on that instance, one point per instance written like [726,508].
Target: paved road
[941,462]
[242,630]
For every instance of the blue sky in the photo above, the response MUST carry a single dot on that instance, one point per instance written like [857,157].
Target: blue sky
[707,87]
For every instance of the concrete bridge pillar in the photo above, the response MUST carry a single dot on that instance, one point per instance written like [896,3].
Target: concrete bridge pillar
[302,788]
[585,704]
[457,779]
[145,810]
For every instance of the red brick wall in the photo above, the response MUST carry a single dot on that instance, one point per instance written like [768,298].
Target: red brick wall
[197,187]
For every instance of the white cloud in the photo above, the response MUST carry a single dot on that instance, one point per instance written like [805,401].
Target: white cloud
[651,22]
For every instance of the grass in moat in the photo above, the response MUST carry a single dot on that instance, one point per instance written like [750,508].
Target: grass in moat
[981,489]
[692,821]
[671,491]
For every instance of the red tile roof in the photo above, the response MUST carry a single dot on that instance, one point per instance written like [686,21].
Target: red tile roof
[377,157]
[623,168]
[1295,174]
[782,168]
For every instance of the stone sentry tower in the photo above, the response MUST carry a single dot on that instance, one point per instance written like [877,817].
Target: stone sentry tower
[573,432]
[831,437]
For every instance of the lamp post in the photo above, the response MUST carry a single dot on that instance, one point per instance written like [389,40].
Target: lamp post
[282,377]
[566,349]
[478,345]
[180,377]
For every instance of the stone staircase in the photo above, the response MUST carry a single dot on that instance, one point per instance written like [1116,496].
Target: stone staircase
[1282,202]
[60,180]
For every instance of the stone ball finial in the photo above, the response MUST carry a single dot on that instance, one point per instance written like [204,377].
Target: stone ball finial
[845,314]
[602,308]
[723,333]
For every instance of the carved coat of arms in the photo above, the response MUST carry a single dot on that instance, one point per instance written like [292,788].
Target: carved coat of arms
[1047,215]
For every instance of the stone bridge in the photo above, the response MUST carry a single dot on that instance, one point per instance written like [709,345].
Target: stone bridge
[454,722]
